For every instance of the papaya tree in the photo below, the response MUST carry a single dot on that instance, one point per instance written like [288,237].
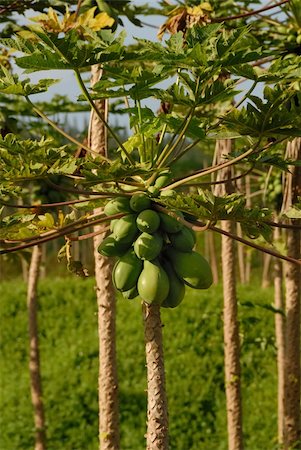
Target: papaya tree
[151,217]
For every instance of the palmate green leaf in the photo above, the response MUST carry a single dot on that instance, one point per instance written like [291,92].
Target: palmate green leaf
[27,159]
[194,130]
[11,84]
[98,171]
[23,225]
[277,115]
[52,51]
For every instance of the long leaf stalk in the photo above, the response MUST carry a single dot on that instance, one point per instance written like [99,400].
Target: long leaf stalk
[171,141]
[196,226]
[99,115]
[200,226]
[143,152]
[60,130]
[217,167]
[51,205]
[176,143]
[63,231]
[251,13]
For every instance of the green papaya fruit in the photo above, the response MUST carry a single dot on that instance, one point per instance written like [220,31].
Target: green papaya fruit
[184,240]
[148,221]
[117,205]
[153,191]
[192,268]
[126,271]
[148,246]
[139,202]
[130,294]
[168,193]
[176,287]
[110,247]
[153,283]
[112,224]
[162,179]
[171,224]
[125,229]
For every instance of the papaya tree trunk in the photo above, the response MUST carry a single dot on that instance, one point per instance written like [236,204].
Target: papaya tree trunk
[292,414]
[157,413]
[249,251]
[280,336]
[231,324]
[213,258]
[266,281]
[34,356]
[107,380]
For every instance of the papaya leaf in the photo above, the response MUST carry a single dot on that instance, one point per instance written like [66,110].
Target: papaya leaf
[11,84]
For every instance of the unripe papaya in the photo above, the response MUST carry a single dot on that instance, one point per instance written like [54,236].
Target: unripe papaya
[148,246]
[171,224]
[110,247]
[112,224]
[192,268]
[148,221]
[153,191]
[117,205]
[168,193]
[153,283]
[126,271]
[184,240]
[176,287]
[126,229]
[139,202]
[162,179]
[131,293]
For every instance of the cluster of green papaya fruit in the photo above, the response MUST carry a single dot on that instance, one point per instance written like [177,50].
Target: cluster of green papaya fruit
[155,253]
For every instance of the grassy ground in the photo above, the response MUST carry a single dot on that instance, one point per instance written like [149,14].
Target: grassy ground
[194,368]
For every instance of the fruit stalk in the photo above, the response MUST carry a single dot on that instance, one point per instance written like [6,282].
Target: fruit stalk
[157,412]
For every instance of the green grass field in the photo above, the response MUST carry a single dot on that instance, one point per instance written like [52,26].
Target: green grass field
[193,347]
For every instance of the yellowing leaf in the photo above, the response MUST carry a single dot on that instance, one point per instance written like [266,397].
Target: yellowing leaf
[53,24]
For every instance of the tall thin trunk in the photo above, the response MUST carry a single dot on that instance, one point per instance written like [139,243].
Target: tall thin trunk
[249,252]
[266,280]
[292,414]
[280,337]
[231,324]
[157,413]
[213,258]
[34,357]
[241,257]
[240,248]
[107,381]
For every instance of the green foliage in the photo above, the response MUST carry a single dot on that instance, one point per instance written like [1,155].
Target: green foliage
[193,349]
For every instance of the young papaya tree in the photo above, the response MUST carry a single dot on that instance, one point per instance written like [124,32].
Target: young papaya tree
[152,219]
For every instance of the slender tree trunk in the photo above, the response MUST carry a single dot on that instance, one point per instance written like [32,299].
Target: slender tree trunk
[34,357]
[213,258]
[157,413]
[266,281]
[241,257]
[292,419]
[231,324]
[107,381]
[280,337]
[249,252]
